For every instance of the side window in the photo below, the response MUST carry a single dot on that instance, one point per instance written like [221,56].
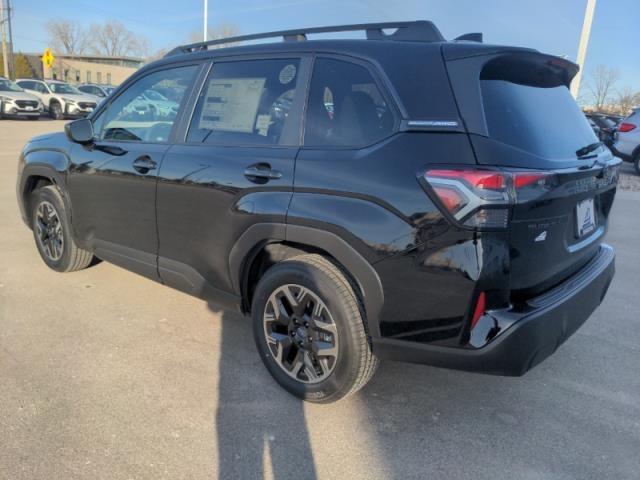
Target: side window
[247,103]
[137,116]
[345,106]
[40,87]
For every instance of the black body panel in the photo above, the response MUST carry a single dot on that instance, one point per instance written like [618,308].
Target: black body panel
[205,202]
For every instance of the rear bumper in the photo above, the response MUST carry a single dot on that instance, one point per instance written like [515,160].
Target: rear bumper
[533,333]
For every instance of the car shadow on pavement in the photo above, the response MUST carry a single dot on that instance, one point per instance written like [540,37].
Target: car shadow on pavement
[261,429]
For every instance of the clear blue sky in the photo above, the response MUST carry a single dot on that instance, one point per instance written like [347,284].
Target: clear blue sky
[552,26]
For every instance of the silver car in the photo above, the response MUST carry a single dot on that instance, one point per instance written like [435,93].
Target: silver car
[627,145]
[60,99]
[16,103]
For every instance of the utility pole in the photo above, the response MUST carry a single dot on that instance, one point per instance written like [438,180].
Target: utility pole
[205,34]
[5,56]
[582,48]
[12,62]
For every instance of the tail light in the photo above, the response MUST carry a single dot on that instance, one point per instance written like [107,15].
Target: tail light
[481,305]
[626,127]
[482,198]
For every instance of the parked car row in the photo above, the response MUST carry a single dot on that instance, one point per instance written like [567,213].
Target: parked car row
[620,134]
[627,143]
[31,98]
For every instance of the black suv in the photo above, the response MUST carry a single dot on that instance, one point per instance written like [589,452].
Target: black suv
[400,196]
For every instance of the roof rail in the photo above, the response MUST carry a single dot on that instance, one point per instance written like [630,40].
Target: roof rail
[417,31]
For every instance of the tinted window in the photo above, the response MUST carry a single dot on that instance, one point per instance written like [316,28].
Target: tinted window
[544,121]
[27,84]
[247,103]
[345,106]
[63,88]
[134,117]
[9,86]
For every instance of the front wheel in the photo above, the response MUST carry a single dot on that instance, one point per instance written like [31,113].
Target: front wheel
[309,328]
[55,110]
[52,232]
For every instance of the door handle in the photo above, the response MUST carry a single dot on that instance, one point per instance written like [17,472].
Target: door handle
[143,164]
[261,171]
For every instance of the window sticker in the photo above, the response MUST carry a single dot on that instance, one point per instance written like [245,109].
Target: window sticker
[231,104]
[287,74]
[262,124]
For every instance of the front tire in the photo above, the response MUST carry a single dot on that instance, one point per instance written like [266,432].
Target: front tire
[55,110]
[309,328]
[52,232]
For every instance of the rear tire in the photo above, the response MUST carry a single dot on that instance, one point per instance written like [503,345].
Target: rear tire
[332,358]
[52,232]
[636,163]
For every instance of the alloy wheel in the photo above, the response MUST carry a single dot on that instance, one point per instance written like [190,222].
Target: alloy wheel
[49,231]
[301,334]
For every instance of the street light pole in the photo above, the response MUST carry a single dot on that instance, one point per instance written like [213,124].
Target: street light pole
[582,48]
[206,18]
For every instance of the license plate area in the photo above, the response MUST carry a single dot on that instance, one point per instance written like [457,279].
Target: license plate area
[585,218]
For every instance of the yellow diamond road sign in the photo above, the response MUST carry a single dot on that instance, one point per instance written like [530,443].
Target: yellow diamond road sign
[48,58]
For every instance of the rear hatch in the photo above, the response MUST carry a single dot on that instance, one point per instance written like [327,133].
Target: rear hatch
[521,117]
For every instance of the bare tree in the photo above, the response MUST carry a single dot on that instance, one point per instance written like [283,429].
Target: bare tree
[113,39]
[217,32]
[67,37]
[601,84]
[627,99]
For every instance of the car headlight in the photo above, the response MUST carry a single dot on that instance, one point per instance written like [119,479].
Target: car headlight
[69,101]
[6,100]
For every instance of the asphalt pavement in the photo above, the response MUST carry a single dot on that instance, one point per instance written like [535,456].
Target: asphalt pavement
[107,375]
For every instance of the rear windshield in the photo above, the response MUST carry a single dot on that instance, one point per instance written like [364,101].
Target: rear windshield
[546,122]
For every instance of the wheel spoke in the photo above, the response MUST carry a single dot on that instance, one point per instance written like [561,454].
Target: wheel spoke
[291,297]
[325,349]
[279,311]
[309,368]
[321,324]
[297,364]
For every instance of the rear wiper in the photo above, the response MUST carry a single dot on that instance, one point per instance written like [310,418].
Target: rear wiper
[581,152]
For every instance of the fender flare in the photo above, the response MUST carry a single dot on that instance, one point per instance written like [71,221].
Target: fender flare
[362,272]
[40,170]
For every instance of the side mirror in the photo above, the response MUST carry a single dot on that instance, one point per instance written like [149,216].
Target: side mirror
[80,131]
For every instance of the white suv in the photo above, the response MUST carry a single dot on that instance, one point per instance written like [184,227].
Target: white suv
[15,102]
[59,98]
[627,145]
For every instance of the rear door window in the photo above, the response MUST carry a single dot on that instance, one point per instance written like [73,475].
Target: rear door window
[345,106]
[248,103]
[545,121]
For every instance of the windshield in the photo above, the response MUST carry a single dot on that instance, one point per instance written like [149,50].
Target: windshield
[63,88]
[544,121]
[9,86]
[153,95]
